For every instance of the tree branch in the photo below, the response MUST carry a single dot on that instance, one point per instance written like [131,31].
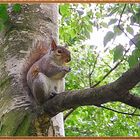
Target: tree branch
[132,114]
[115,91]
[122,14]
[131,100]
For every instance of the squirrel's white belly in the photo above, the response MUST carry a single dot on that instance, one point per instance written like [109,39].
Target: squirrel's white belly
[56,85]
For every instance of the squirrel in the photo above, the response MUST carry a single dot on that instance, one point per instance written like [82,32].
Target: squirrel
[44,73]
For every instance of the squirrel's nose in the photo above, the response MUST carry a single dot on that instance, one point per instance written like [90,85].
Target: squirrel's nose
[68,59]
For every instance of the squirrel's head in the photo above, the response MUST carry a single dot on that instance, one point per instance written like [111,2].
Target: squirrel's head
[61,53]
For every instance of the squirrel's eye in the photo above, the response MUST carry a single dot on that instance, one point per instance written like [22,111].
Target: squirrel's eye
[59,51]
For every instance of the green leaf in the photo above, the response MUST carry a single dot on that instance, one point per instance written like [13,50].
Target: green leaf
[87,34]
[17,8]
[98,14]
[112,21]
[138,44]
[72,33]
[108,37]
[136,52]
[118,52]
[137,17]
[132,60]
[64,10]
[135,40]
[113,11]
[104,24]
[89,28]
[117,30]
[1,26]
[130,30]
[3,7]
[3,13]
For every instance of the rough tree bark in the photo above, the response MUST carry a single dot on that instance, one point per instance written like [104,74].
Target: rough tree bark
[17,114]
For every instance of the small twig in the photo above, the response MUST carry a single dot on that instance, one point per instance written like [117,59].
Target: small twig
[111,70]
[134,111]
[126,35]
[121,29]
[67,114]
[132,9]
[122,14]
[93,68]
[106,64]
[107,74]
[132,114]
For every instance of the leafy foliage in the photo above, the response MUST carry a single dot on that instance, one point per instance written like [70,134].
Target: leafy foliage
[16,8]
[76,23]
[118,52]
[108,37]
[90,63]
[4,16]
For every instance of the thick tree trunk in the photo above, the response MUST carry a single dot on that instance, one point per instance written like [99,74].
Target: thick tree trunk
[17,114]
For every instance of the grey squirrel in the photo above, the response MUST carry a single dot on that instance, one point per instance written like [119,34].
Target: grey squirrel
[46,69]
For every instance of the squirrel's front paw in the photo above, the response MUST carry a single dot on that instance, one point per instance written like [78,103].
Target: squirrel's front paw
[67,69]
[53,94]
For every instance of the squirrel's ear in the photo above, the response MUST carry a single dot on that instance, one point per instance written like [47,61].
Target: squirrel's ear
[53,45]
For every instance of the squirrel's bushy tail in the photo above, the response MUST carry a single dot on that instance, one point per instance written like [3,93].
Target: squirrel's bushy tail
[38,50]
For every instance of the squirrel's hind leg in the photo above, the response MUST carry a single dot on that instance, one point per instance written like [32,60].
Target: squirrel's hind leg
[41,90]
